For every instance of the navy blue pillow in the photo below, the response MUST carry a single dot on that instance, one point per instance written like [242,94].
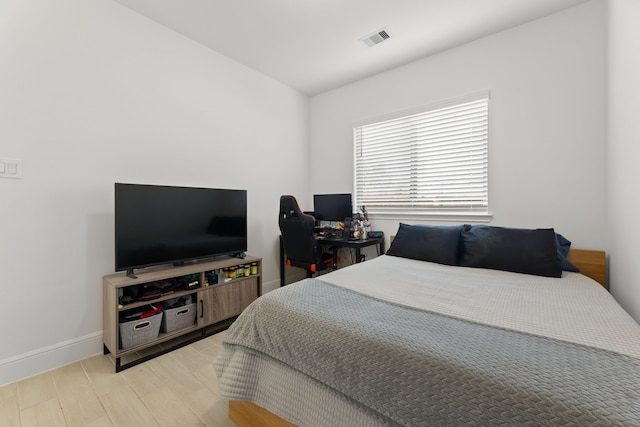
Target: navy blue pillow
[563,249]
[511,249]
[427,243]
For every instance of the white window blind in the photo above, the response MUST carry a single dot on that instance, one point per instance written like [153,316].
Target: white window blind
[434,161]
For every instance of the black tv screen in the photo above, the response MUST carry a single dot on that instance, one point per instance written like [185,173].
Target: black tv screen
[332,207]
[157,224]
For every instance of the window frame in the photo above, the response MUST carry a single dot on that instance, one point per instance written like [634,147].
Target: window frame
[475,214]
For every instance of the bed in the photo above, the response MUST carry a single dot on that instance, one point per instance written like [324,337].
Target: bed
[453,326]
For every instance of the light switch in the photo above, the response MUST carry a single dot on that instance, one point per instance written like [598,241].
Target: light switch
[10,168]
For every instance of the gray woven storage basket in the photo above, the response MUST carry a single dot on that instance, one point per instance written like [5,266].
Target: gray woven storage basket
[178,318]
[140,331]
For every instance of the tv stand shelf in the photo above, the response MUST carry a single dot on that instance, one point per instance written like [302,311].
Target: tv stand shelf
[216,305]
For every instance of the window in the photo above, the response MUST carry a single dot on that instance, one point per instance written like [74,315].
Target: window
[427,162]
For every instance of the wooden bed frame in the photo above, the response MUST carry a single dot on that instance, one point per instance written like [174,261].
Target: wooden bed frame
[591,263]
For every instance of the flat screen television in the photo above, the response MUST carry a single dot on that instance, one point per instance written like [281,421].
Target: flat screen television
[157,224]
[332,207]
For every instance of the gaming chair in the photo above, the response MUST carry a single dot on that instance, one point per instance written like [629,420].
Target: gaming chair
[301,247]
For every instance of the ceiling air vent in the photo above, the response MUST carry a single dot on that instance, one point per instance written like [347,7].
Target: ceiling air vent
[377,37]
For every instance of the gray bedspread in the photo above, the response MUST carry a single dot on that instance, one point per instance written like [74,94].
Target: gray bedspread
[412,367]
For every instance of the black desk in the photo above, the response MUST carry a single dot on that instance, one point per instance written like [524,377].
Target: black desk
[338,242]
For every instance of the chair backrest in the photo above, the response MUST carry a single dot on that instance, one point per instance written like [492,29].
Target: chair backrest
[296,228]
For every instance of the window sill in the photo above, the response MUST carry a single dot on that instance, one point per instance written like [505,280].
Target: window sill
[482,217]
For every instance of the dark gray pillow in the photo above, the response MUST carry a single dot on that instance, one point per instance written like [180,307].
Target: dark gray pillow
[511,249]
[427,243]
[563,250]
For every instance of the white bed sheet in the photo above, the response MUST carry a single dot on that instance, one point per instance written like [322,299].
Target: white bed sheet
[573,308]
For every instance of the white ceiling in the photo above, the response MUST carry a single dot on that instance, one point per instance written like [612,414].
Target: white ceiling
[314,45]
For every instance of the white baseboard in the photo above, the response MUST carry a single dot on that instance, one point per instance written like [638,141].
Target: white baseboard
[45,359]
[270,286]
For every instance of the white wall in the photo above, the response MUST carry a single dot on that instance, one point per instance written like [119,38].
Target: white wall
[624,152]
[547,120]
[91,94]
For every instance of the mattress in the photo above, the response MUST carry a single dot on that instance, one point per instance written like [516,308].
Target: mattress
[573,308]
[572,315]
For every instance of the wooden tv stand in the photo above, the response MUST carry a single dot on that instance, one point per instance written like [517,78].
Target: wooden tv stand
[217,305]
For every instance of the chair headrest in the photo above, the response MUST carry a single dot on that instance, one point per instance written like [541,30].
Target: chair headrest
[289,206]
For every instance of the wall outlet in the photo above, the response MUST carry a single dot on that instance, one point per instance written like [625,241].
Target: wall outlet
[10,168]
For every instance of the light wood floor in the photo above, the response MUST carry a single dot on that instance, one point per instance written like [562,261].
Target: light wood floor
[176,389]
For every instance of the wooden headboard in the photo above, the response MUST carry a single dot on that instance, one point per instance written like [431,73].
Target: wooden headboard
[592,264]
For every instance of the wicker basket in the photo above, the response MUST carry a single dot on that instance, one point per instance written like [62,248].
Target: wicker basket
[140,331]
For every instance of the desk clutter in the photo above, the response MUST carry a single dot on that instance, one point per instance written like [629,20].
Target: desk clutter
[340,234]
[350,229]
[353,227]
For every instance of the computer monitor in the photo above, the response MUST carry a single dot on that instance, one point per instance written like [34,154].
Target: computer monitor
[332,207]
